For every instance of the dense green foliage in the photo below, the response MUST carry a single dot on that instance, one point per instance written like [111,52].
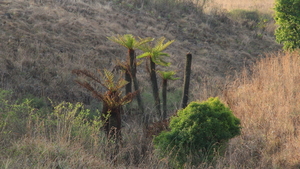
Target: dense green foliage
[13,117]
[197,132]
[287,16]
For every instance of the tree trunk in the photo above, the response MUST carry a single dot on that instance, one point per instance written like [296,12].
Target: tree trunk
[187,74]
[112,124]
[155,88]
[129,75]
[112,128]
[164,97]
[128,87]
[135,81]
[128,79]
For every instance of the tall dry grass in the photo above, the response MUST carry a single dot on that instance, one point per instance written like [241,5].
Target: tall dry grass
[266,100]
[262,6]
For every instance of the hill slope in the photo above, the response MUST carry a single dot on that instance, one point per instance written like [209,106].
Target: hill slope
[42,43]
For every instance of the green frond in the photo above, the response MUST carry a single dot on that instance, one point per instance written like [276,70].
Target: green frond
[159,61]
[110,81]
[121,83]
[146,48]
[143,41]
[129,41]
[160,46]
[146,54]
[158,58]
[167,75]
[155,52]
[126,40]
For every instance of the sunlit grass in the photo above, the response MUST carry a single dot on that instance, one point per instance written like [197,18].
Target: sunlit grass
[266,100]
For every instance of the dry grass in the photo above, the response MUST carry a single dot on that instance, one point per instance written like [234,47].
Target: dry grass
[262,6]
[263,11]
[267,102]
[265,99]
[41,42]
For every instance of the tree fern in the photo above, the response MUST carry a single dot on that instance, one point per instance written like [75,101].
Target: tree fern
[166,76]
[112,99]
[131,43]
[156,56]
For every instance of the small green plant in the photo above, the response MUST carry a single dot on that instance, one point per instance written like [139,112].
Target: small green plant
[197,133]
[287,16]
[13,117]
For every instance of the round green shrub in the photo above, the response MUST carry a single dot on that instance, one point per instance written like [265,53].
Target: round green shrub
[197,133]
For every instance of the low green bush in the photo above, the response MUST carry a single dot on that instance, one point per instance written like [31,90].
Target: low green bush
[197,133]
[13,117]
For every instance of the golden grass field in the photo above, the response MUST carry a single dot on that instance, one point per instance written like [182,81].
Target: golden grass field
[263,6]
[41,42]
[266,101]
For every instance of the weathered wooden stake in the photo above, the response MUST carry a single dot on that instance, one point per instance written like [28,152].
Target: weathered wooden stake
[187,74]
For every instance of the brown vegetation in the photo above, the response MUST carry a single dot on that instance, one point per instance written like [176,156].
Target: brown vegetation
[266,100]
[42,42]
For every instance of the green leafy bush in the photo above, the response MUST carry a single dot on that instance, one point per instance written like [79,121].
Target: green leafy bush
[287,16]
[12,117]
[197,132]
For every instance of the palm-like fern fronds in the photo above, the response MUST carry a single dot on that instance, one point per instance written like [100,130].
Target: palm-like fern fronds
[112,99]
[129,41]
[113,96]
[155,52]
[167,75]
[110,82]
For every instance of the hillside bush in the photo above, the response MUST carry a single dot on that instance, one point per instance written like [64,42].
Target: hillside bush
[12,117]
[197,133]
[287,16]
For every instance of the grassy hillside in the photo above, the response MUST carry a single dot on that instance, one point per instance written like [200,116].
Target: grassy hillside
[266,6]
[265,99]
[41,42]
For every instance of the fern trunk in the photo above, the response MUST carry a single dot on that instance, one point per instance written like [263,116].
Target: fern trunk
[128,79]
[155,89]
[112,124]
[187,74]
[128,71]
[134,79]
[164,97]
